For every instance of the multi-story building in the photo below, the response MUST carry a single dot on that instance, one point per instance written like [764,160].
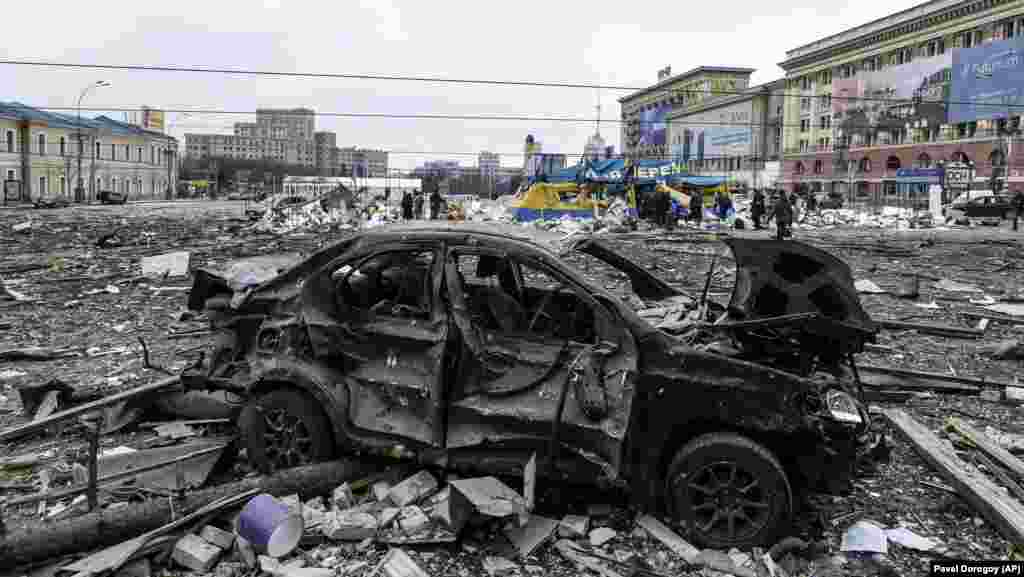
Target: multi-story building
[40,157]
[735,134]
[488,163]
[363,162]
[864,105]
[439,169]
[645,112]
[327,154]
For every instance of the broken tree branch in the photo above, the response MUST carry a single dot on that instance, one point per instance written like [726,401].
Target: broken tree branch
[937,330]
[34,426]
[26,543]
[72,491]
[985,496]
[905,379]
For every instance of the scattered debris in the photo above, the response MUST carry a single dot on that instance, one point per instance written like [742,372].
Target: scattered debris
[601,535]
[397,563]
[865,537]
[270,526]
[868,287]
[906,538]
[491,497]
[529,537]
[172,264]
[192,552]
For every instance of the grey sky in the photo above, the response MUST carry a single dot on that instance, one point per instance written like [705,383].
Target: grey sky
[620,43]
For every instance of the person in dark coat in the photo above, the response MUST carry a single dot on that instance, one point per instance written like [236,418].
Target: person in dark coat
[783,215]
[406,206]
[417,204]
[435,205]
[757,209]
[697,205]
[1018,201]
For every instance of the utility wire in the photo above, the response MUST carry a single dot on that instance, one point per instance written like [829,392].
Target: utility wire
[747,92]
[73,157]
[396,116]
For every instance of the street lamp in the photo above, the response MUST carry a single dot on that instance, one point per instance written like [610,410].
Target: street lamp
[171,156]
[80,189]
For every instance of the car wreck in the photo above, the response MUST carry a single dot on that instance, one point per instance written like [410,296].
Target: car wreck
[476,348]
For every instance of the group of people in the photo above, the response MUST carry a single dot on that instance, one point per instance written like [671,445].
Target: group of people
[412,205]
[785,211]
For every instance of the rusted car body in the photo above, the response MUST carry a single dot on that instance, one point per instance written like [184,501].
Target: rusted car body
[476,348]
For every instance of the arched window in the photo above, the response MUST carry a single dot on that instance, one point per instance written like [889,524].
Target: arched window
[960,156]
[892,163]
[865,164]
[41,138]
[798,168]
[924,161]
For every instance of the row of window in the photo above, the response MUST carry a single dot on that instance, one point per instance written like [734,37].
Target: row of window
[127,186]
[924,160]
[934,47]
[42,148]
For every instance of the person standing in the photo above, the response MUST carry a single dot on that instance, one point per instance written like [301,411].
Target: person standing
[406,206]
[417,204]
[697,205]
[435,205]
[1019,203]
[757,208]
[783,215]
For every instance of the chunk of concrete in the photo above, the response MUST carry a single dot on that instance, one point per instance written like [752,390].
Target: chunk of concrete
[451,509]
[386,516]
[218,537]
[397,563]
[499,566]
[491,497]
[342,497]
[574,526]
[412,520]
[601,535]
[350,526]
[413,489]
[193,552]
[532,535]
[380,490]
[172,264]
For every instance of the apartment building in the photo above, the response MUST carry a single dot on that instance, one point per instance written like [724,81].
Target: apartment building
[488,163]
[866,105]
[645,112]
[736,135]
[40,156]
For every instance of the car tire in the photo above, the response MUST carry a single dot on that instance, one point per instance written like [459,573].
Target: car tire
[729,491]
[285,428]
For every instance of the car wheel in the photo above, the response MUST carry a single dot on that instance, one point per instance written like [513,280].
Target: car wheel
[285,428]
[729,491]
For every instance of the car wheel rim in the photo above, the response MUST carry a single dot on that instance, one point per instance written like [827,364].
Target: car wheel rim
[288,442]
[726,501]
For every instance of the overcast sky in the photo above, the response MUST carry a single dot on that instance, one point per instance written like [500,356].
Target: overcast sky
[612,43]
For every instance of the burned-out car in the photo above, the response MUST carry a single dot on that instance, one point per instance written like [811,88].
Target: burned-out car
[477,347]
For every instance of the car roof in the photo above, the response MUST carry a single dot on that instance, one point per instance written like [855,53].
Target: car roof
[495,233]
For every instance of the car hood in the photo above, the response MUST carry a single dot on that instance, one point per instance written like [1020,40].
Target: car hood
[773,278]
[784,277]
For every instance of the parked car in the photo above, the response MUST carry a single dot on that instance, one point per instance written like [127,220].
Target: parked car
[112,197]
[982,206]
[474,347]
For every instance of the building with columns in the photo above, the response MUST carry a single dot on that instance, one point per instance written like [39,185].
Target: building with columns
[886,96]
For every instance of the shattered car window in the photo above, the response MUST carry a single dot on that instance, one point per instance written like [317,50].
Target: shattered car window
[392,283]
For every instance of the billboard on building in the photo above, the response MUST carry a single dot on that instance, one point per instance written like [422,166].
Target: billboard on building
[653,125]
[893,97]
[724,132]
[988,81]
[153,119]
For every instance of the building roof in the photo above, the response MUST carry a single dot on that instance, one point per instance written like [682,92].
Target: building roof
[746,94]
[684,75]
[877,25]
[25,112]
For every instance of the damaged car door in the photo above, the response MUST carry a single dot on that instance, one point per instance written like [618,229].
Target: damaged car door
[542,365]
[378,321]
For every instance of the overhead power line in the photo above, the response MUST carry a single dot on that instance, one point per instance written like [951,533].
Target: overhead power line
[396,116]
[441,80]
